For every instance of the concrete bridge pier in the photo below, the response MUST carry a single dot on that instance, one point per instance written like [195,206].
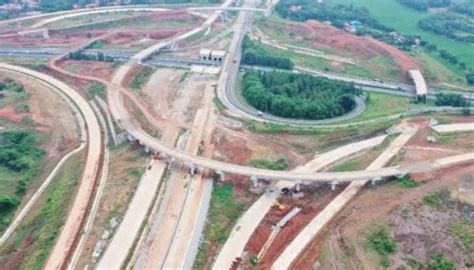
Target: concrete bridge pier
[193,169]
[375,180]
[130,137]
[221,175]
[333,185]
[298,184]
[254,180]
[147,149]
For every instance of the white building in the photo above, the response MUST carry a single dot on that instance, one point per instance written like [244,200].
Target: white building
[212,55]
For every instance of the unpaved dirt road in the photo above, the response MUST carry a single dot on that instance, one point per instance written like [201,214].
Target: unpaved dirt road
[247,224]
[298,244]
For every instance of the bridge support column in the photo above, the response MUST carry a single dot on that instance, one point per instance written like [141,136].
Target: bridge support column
[334,184]
[130,138]
[221,175]
[400,176]
[375,180]
[298,184]
[254,180]
[193,169]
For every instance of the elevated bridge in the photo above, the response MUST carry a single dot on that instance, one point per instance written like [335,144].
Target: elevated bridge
[420,84]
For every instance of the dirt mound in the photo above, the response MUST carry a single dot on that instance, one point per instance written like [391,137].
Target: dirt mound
[101,70]
[422,231]
[323,35]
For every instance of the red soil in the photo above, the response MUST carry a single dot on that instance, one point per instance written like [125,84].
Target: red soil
[101,70]
[9,113]
[323,35]
[56,39]
[313,203]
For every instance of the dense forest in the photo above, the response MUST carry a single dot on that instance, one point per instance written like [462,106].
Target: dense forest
[298,95]
[254,54]
[452,25]
[424,5]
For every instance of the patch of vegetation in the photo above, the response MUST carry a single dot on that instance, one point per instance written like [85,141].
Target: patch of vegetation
[441,263]
[223,213]
[254,54]
[137,172]
[279,165]
[470,77]
[434,199]
[39,232]
[20,163]
[380,105]
[298,95]
[97,89]
[55,5]
[100,57]
[98,44]
[464,230]
[466,8]
[382,244]
[454,100]
[350,165]
[451,25]
[424,5]
[407,182]
[141,78]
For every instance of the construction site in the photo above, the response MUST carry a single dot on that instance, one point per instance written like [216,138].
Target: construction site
[133,144]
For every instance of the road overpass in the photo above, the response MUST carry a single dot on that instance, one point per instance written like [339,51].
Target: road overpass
[420,85]
[229,70]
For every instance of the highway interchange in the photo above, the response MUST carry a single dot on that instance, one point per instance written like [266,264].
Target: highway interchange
[225,91]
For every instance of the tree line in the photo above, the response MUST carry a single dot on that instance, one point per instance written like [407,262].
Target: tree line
[57,5]
[254,54]
[451,25]
[341,14]
[337,14]
[298,95]
[79,55]
[454,100]
[466,8]
[424,5]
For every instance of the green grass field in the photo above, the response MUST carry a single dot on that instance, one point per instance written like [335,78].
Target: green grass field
[381,105]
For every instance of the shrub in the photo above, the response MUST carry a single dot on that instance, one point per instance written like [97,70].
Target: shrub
[433,199]
[441,263]
[381,242]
